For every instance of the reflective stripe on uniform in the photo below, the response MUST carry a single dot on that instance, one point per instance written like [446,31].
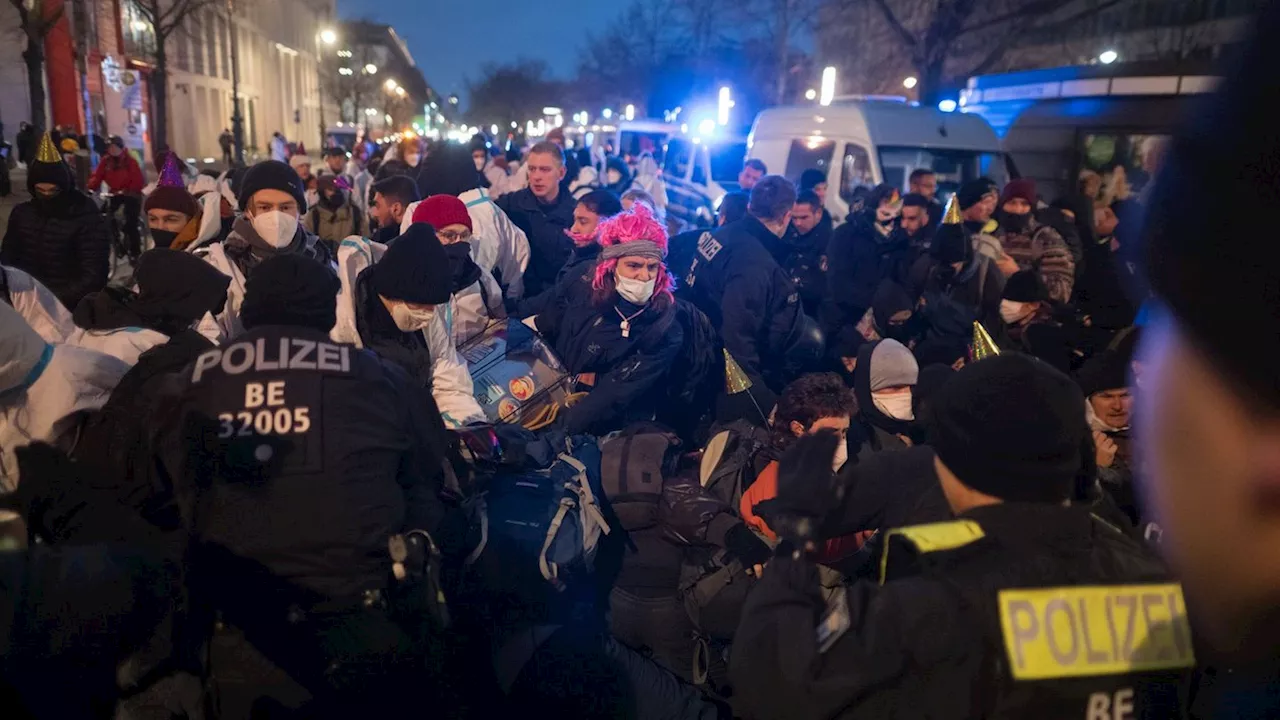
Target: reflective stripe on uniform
[932,537]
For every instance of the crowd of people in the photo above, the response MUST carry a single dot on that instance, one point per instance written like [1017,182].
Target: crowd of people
[789,466]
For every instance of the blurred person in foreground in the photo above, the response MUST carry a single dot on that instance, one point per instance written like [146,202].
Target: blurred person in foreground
[981,616]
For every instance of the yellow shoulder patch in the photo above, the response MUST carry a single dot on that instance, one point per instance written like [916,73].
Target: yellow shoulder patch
[1095,630]
[932,537]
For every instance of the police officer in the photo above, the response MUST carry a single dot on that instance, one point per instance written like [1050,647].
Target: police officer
[316,496]
[1023,606]
[751,300]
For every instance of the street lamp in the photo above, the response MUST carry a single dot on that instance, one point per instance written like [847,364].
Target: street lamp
[400,92]
[326,36]
[909,82]
[391,85]
[371,69]
[810,94]
[1108,56]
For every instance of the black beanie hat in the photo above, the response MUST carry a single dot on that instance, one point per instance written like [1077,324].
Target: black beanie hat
[1012,427]
[1108,370]
[272,175]
[1025,286]
[54,172]
[811,178]
[973,191]
[1207,265]
[177,287]
[291,289]
[415,268]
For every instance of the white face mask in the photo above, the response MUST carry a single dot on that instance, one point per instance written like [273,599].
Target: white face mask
[613,176]
[634,291]
[1011,311]
[841,457]
[412,159]
[411,319]
[895,405]
[276,228]
[479,163]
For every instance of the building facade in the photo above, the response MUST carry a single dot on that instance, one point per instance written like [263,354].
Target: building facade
[377,85]
[279,49]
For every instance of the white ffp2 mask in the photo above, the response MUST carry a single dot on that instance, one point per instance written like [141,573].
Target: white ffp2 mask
[896,405]
[411,319]
[842,455]
[635,292]
[1012,311]
[276,228]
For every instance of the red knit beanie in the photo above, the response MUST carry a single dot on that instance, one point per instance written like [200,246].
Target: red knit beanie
[1024,188]
[441,211]
[172,198]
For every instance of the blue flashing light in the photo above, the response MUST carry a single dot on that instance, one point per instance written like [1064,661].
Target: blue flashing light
[947,105]
[706,126]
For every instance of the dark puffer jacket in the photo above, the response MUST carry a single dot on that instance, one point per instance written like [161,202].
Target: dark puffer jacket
[63,243]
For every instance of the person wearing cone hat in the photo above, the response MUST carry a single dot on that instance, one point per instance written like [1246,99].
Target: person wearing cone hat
[121,172]
[173,215]
[272,202]
[58,236]
[958,285]
[925,637]
[627,337]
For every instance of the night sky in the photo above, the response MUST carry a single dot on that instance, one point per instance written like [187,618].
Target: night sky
[450,40]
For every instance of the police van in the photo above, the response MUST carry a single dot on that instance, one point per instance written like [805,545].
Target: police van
[699,171]
[861,143]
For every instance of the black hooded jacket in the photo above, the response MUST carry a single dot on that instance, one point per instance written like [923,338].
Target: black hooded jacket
[572,286]
[858,258]
[871,431]
[62,242]
[805,260]
[380,334]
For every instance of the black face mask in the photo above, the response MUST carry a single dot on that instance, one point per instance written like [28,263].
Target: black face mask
[465,271]
[333,202]
[1016,223]
[163,238]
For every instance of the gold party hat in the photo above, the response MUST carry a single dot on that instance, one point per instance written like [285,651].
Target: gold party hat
[952,214]
[47,153]
[735,379]
[983,346]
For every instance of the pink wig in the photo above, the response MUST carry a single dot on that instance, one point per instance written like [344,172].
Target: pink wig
[629,226]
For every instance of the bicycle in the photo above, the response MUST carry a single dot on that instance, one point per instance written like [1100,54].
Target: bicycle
[120,250]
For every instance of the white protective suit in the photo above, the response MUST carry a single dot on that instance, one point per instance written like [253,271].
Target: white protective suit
[450,379]
[125,344]
[227,323]
[649,177]
[44,389]
[37,305]
[497,244]
[475,307]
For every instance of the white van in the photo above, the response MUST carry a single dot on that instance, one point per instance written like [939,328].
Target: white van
[699,171]
[862,143]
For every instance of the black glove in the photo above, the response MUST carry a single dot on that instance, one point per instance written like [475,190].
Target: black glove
[747,546]
[807,488]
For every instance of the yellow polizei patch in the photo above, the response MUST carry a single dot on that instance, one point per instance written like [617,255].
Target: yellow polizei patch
[1095,630]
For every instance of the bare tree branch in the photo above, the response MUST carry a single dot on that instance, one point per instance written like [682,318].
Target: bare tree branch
[908,39]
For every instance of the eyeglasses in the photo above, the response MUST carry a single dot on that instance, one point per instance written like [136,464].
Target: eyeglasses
[449,237]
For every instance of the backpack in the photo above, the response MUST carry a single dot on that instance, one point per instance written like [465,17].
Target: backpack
[633,467]
[546,512]
[729,463]
[696,373]
[713,584]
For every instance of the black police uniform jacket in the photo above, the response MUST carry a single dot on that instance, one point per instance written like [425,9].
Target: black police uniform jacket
[748,296]
[1012,611]
[305,456]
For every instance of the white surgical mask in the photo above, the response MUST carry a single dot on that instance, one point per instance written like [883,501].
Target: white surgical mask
[411,319]
[276,228]
[895,405]
[613,176]
[1011,311]
[479,163]
[842,455]
[412,159]
[634,291]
